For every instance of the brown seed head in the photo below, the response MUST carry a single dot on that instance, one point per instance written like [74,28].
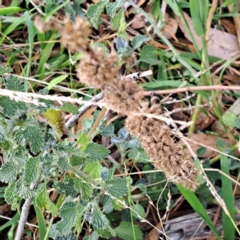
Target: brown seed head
[123,96]
[75,34]
[94,70]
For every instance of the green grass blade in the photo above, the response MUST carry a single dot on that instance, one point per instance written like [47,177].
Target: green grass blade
[198,207]
[30,40]
[228,198]
[41,222]
[10,10]
[44,58]
[56,81]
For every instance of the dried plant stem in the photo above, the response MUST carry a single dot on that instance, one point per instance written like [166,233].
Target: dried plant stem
[83,109]
[24,216]
[191,89]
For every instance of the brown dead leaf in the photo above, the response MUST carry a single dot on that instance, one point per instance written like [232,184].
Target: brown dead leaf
[236,20]
[207,140]
[138,22]
[171,27]
[229,26]
[221,44]
[88,114]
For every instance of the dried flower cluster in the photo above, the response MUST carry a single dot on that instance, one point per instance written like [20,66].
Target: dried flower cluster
[124,96]
[75,34]
[167,153]
[95,70]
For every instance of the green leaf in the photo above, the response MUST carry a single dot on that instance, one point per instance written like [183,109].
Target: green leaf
[24,191]
[56,81]
[107,204]
[77,160]
[11,107]
[198,207]
[106,131]
[32,171]
[43,201]
[119,22]
[66,187]
[13,83]
[11,196]
[94,11]
[199,13]
[35,138]
[99,220]
[69,236]
[96,151]
[10,10]
[107,233]
[69,107]
[127,230]
[237,123]
[56,121]
[42,228]
[228,198]
[8,172]
[229,119]
[139,40]
[117,187]
[138,155]
[83,139]
[68,213]
[93,169]
[138,210]
[148,54]
[84,187]
[111,8]
[201,151]
[63,164]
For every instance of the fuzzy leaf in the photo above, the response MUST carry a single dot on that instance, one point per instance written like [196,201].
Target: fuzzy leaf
[13,83]
[11,107]
[229,119]
[125,231]
[237,122]
[99,220]
[139,209]
[148,54]
[77,160]
[63,164]
[66,187]
[93,169]
[138,155]
[84,187]
[69,107]
[96,152]
[11,196]
[107,233]
[70,236]
[107,204]
[139,40]
[117,187]
[111,8]
[8,172]
[118,21]
[83,139]
[24,191]
[55,120]
[35,138]
[32,171]
[94,11]
[68,213]
[106,131]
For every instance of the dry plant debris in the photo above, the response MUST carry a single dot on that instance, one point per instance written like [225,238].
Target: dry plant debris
[124,96]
